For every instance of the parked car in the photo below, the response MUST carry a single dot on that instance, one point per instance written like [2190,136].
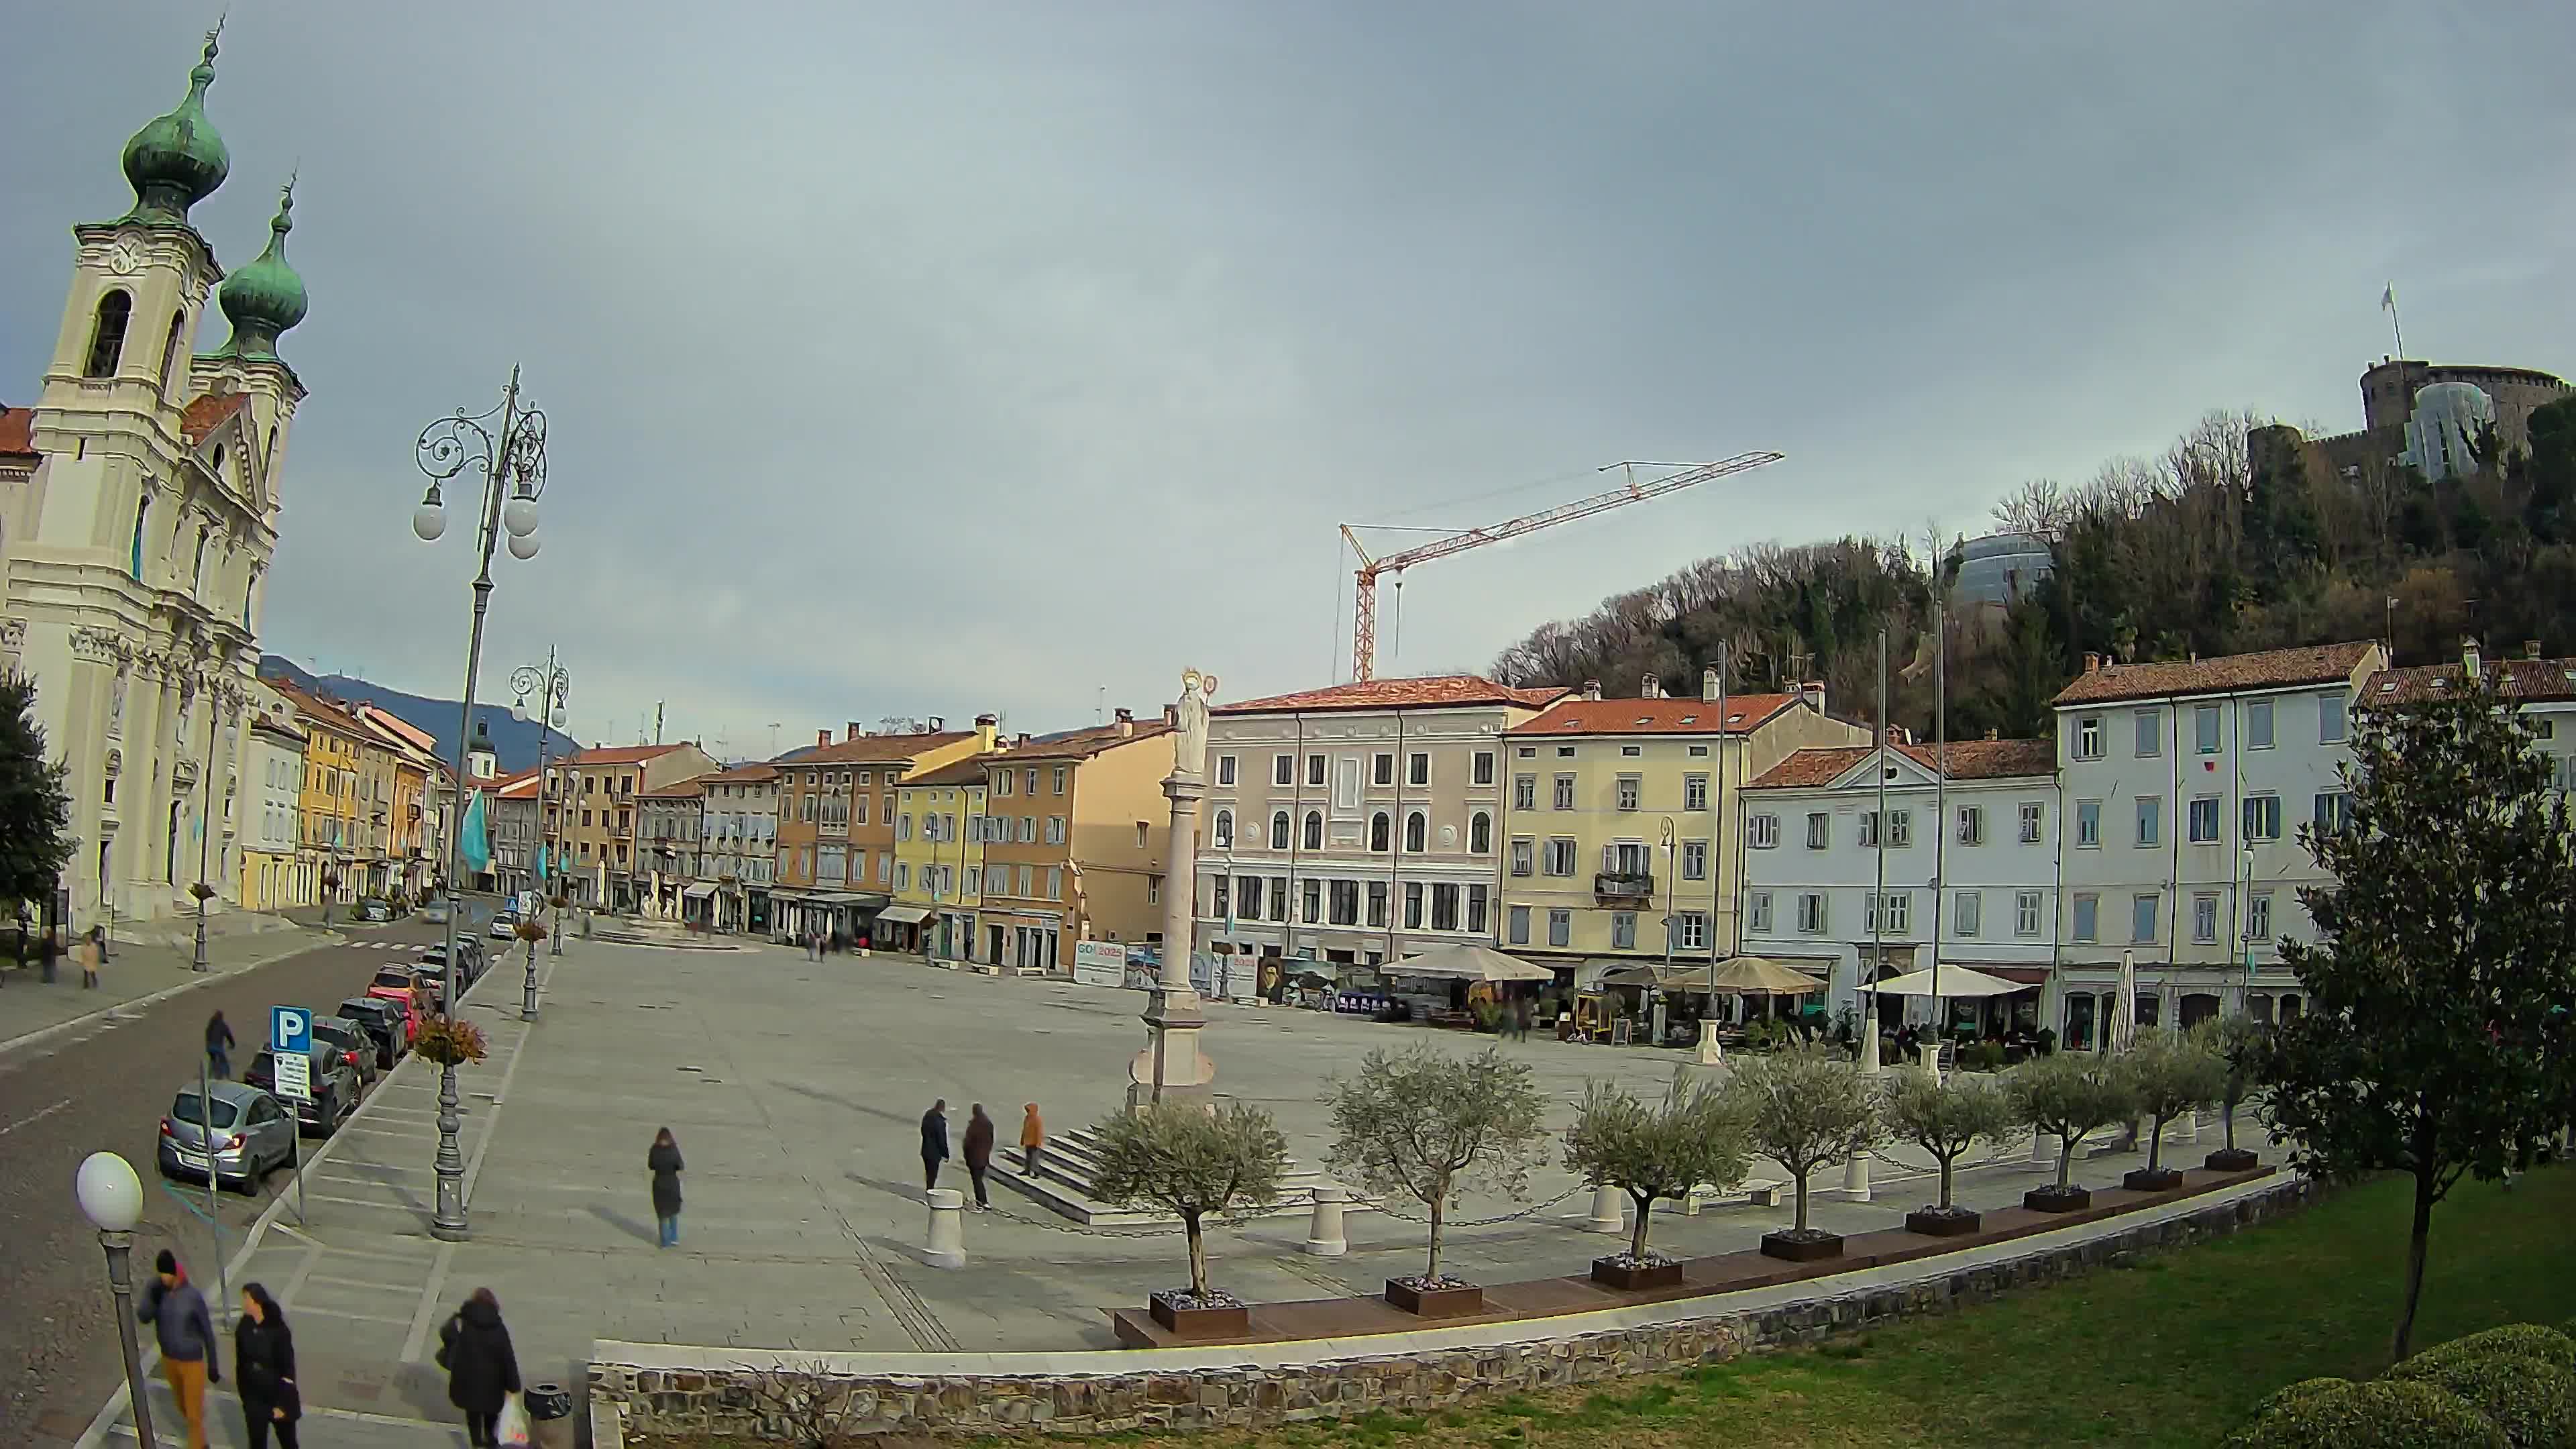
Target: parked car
[469,952]
[375,909]
[435,913]
[405,1000]
[334,1081]
[384,1022]
[236,1132]
[420,981]
[505,926]
[354,1040]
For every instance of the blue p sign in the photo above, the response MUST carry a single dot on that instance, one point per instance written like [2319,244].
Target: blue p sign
[290,1029]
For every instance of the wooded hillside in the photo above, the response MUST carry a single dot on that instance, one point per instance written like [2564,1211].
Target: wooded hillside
[2212,547]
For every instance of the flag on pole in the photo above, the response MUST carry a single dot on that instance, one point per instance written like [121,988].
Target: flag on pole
[2388,298]
[476,846]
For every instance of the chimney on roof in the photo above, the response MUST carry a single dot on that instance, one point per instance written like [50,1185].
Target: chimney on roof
[2092,662]
[1994,734]
[988,727]
[1127,719]
[2530,648]
[1813,692]
[938,724]
[1023,739]
[1709,688]
[2469,657]
[1651,687]
[851,730]
[822,737]
[1592,689]
[1171,716]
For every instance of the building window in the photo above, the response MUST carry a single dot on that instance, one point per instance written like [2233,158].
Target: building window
[1417,831]
[1968,913]
[1623,930]
[1221,898]
[1377,903]
[1417,769]
[1694,792]
[1524,856]
[1762,832]
[1820,830]
[1224,830]
[1283,770]
[2334,811]
[2258,724]
[2032,814]
[1525,792]
[2262,817]
[1900,912]
[1565,792]
[107,332]
[2026,908]
[1690,931]
[2330,722]
[1313,914]
[2204,820]
[1900,827]
[1811,912]
[1972,825]
[1056,832]
[1314,830]
[1315,771]
[902,872]
[1225,769]
[2151,819]
[1560,928]
[1413,905]
[1480,834]
[1484,768]
[1694,860]
[2088,822]
[1478,898]
[1247,897]
[2142,918]
[1444,906]
[1757,912]
[2088,911]
[1278,830]
[1516,925]
[2258,915]
[2204,729]
[1346,784]
[1381,832]
[2204,919]
[1062,774]
[1632,790]
[1344,905]
[2088,737]
[2150,735]
[1560,855]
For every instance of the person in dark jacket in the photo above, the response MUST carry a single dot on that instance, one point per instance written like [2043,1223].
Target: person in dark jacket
[264,1362]
[482,1368]
[186,1334]
[979,1152]
[219,1047]
[934,1142]
[664,1160]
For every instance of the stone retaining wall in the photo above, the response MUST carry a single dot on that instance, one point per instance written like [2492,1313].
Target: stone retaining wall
[720,1398]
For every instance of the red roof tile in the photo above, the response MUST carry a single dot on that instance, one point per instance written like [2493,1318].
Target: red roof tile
[1969,760]
[1655,716]
[2270,669]
[744,775]
[2524,679]
[1430,692]
[877,749]
[678,790]
[617,755]
[207,412]
[17,431]
[1079,745]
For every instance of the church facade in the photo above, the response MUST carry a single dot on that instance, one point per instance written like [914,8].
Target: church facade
[134,550]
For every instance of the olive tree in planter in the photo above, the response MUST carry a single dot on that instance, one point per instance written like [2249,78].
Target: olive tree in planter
[1807,1109]
[1430,1125]
[2171,1074]
[1651,1152]
[2240,1042]
[1945,1119]
[1194,1164]
[2071,1094]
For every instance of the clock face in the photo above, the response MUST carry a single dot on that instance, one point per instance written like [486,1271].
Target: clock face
[126,257]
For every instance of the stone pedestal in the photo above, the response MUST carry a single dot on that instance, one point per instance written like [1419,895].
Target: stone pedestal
[1609,1211]
[947,1245]
[1324,1237]
[1930,1054]
[1172,1067]
[1856,1177]
[1710,1053]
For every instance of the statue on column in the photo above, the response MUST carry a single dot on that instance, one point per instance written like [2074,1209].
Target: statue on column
[1189,752]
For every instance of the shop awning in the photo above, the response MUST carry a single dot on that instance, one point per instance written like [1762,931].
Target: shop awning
[698,891]
[902,916]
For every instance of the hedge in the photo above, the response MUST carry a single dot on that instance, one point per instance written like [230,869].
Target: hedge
[2521,1340]
[2382,1414]
[2532,1401]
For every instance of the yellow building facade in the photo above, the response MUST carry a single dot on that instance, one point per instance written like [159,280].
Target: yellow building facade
[1622,824]
[330,807]
[938,863]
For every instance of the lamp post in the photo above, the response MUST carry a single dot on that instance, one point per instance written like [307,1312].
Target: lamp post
[512,461]
[553,688]
[111,1197]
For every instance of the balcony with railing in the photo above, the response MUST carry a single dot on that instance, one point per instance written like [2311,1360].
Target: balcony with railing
[1623,885]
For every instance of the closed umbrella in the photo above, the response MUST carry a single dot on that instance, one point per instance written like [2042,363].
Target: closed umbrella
[2124,1010]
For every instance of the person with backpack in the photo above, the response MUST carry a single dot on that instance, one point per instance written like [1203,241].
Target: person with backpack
[185,1333]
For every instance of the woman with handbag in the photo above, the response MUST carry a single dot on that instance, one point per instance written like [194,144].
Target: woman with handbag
[482,1367]
[264,1367]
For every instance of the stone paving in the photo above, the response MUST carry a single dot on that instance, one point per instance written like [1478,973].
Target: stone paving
[794,1089]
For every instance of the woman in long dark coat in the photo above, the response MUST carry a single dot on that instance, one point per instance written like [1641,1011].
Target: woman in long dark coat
[264,1366]
[664,1160]
[482,1367]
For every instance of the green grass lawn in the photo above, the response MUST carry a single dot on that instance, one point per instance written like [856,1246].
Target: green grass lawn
[2174,1351]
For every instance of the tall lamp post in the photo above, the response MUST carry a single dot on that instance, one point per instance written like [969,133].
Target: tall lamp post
[510,453]
[553,688]
[111,1197]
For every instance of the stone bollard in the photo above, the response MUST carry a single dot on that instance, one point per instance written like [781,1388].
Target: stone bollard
[2043,1151]
[1324,1230]
[2191,1125]
[1930,1052]
[1710,1053]
[947,1247]
[1609,1211]
[1856,1177]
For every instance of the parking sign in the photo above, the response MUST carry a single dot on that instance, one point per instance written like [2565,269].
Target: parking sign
[290,1029]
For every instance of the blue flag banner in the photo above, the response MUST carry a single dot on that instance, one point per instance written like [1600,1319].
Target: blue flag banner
[476,847]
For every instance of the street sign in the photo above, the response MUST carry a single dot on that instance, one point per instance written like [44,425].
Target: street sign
[294,1076]
[290,1029]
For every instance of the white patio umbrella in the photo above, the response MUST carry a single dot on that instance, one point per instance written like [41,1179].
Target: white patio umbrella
[1962,982]
[1469,963]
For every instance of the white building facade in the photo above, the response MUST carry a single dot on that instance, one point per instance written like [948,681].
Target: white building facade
[2185,784]
[740,858]
[273,751]
[1966,872]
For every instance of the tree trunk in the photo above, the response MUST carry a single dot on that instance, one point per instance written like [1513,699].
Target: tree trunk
[1802,1202]
[1431,1269]
[1198,1255]
[1637,1240]
[2415,1241]
[2065,1161]
[1946,1164]
[2155,1143]
[2227,1124]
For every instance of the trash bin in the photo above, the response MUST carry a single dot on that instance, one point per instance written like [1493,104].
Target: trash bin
[549,1416]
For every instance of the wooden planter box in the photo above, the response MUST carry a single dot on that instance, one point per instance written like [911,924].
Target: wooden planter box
[1611,1273]
[2162,1179]
[1199,1322]
[2231,1159]
[1435,1302]
[1801,1250]
[2057,1199]
[1933,1223]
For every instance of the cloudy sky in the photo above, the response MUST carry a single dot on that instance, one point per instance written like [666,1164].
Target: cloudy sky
[929,359]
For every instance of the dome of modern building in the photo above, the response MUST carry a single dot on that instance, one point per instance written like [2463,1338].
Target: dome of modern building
[2001,567]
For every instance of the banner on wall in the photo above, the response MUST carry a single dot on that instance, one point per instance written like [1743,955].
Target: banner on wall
[1100,963]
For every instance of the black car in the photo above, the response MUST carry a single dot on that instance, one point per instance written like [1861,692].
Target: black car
[469,952]
[335,1087]
[384,1026]
[351,1037]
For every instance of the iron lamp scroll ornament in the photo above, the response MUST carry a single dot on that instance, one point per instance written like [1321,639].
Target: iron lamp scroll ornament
[553,688]
[506,446]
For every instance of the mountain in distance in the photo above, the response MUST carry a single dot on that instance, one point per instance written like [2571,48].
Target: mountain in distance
[513,740]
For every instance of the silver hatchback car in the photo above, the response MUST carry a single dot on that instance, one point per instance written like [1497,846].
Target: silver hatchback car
[250,1134]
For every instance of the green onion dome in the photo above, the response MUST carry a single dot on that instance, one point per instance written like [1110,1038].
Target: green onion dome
[177,160]
[265,297]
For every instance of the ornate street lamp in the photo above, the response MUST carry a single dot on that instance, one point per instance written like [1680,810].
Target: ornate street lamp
[553,688]
[507,446]
[111,1197]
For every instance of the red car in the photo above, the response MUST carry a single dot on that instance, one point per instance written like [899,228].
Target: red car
[408,999]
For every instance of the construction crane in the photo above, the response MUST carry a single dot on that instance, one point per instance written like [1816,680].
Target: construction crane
[1364,611]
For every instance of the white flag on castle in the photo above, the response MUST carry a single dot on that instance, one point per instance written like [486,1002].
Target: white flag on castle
[2388,298]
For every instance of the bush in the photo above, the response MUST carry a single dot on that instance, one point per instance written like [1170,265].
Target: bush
[2400,1414]
[2532,1401]
[2516,1340]
[450,1042]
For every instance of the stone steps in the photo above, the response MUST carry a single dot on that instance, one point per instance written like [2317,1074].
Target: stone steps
[1070,1161]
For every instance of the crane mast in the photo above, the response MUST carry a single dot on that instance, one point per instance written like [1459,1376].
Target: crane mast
[1364,609]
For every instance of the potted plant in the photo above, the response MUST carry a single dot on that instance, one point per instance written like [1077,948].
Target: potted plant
[2240,1042]
[2071,1095]
[2171,1075]
[1430,1125]
[1807,1109]
[450,1041]
[1945,1119]
[1651,1152]
[1194,1164]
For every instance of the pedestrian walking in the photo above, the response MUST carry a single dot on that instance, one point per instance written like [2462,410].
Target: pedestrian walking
[934,1143]
[219,1048]
[482,1368]
[664,1160]
[1032,1137]
[264,1363]
[186,1334]
[979,1152]
[91,952]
